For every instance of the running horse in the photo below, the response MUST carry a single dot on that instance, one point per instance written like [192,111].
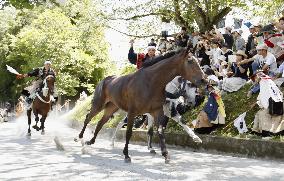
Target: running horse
[41,104]
[141,92]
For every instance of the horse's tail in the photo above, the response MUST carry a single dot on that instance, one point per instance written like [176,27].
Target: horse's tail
[99,95]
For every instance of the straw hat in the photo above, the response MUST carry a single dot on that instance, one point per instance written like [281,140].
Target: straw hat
[241,52]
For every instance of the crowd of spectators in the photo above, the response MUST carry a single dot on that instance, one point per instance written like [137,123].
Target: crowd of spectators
[228,60]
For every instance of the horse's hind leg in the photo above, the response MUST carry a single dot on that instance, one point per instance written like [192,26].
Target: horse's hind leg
[110,108]
[88,118]
[29,114]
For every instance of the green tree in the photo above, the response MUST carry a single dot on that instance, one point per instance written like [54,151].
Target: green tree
[70,35]
[203,13]
[268,10]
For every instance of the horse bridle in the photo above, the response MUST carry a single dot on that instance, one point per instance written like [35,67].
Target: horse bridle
[44,91]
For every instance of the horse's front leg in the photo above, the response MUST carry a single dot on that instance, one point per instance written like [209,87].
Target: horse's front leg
[36,120]
[29,114]
[162,122]
[150,133]
[130,120]
[42,120]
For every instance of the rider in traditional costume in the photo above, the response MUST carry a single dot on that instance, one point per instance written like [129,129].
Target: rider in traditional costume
[41,73]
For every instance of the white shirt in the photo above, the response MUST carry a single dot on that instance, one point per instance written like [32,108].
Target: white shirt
[215,53]
[268,89]
[269,60]
[281,69]
[173,86]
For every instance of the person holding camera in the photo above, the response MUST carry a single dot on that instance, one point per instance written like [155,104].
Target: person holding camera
[182,38]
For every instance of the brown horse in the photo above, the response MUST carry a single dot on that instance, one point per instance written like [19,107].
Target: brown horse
[42,104]
[141,92]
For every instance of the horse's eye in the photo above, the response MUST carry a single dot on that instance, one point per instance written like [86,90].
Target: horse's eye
[190,61]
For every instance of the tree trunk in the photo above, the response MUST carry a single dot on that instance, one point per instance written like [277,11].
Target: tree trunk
[205,21]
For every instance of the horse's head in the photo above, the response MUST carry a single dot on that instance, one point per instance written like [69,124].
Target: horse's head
[48,84]
[191,70]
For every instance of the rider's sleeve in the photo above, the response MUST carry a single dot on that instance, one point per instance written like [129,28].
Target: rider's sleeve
[34,72]
[172,95]
[132,56]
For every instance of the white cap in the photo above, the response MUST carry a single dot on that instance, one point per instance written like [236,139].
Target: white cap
[47,62]
[262,47]
[151,47]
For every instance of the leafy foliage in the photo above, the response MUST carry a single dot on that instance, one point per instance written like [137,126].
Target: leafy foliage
[71,35]
[268,10]
[148,15]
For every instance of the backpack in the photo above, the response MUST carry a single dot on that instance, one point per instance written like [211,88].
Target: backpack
[275,108]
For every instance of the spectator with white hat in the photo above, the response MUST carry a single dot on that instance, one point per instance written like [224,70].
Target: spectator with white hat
[264,61]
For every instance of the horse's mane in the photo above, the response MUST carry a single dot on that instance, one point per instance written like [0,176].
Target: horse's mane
[159,58]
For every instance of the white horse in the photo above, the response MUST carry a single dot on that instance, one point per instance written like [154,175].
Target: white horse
[184,95]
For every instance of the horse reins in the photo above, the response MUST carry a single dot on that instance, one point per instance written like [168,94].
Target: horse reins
[40,98]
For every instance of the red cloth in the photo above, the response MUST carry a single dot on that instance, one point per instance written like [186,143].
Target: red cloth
[269,43]
[139,62]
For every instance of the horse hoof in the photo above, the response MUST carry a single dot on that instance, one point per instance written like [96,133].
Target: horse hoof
[87,143]
[127,160]
[152,151]
[76,139]
[29,135]
[197,140]
[167,161]
[42,133]
[82,142]
[36,127]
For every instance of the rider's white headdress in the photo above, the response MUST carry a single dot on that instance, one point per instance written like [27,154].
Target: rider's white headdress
[47,62]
